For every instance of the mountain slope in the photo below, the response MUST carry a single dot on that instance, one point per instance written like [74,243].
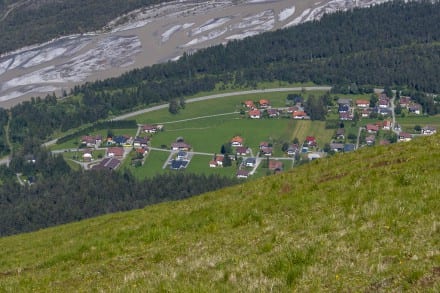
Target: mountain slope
[365,221]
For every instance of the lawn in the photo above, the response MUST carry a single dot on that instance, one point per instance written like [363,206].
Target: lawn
[152,166]
[200,165]
[408,122]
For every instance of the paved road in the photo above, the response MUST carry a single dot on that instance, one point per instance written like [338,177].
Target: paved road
[393,123]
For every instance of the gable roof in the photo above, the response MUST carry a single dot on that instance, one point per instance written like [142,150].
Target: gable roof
[264,102]
[237,138]
[117,151]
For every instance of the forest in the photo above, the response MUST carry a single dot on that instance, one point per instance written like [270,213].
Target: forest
[42,21]
[59,195]
[394,44]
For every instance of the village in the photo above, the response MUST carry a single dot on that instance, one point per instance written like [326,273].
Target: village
[244,160]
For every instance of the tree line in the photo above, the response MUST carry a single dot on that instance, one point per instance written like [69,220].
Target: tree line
[58,195]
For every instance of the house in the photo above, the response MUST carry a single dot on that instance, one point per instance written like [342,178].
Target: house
[345,116]
[242,174]
[337,147]
[108,164]
[148,128]
[255,114]
[365,113]
[299,115]
[362,103]
[117,152]
[310,141]
[349,147]
[384,103]
[273,113]
[292,150]
[343,108]
[139,142]
[180,146]
[178,164]
[403,136]
[340,133]
[384,111]
[237,141]
[266,151]
[87,155]
[242,151]
[263,144]
[404,102]
[182,155]
[383,96]
[91,141]
[415,109]
[386,125]
[142,151]
[219,160]
[292,109]
[213,164]
[250,162]
[264,103]
[275,165]
[372,128]
[249,104]
[428,130]
[120,139]
[370,140]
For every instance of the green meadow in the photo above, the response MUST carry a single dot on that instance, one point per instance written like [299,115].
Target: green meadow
[366,221]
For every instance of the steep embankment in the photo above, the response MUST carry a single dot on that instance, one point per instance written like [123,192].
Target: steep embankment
[365,221]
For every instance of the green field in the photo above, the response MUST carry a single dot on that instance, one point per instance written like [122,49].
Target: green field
[200,165]
[409,121]
[360,222]
[152,166]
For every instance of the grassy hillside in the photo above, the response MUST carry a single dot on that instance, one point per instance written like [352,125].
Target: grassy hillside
[365,221]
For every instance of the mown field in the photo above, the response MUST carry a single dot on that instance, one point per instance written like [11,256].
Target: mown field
[360,222]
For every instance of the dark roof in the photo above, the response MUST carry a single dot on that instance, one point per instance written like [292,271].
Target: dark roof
[242,173]
[119,139]
[251,160]
[349,147]
[177,164]
[108,163]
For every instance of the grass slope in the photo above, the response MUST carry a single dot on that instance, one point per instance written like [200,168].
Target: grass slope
[365,221]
